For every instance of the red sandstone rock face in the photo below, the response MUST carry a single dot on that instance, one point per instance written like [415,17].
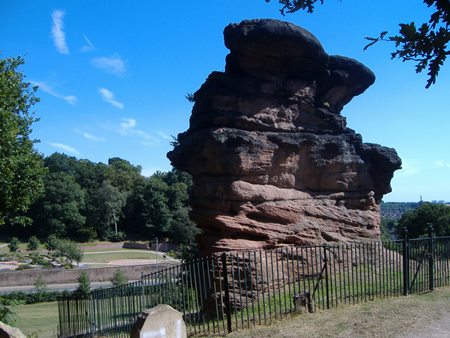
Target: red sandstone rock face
[272,159]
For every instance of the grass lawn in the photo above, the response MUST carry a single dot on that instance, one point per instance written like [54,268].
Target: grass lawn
[392,317]
[93,257]
[38,320]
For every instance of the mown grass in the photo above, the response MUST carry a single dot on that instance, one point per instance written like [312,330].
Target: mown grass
[37,320]
[93,257]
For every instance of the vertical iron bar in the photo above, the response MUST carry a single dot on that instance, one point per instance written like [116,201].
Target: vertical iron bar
[405,262]
[227,292]
[431,257]
[325,260]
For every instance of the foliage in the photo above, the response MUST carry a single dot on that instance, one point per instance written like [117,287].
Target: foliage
[7,316]
[52,242]
[13,244]
[20,297]
[40,284]
[119,278]
[83,290]
[426,44]
[417,221]
[68,249]
[83,200]
[33,243]
[21,167]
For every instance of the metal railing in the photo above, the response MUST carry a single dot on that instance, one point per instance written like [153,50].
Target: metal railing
[235,290]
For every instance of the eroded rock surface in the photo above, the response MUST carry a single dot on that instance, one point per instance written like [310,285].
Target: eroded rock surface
[272,160]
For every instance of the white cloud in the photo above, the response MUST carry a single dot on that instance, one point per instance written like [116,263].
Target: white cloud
[109,97]
[64,147]
[127,124]
[89,46]
[92,137]
[128,127]
[164,135]
[111,64]
[70,99]
[58,35]
[441,164]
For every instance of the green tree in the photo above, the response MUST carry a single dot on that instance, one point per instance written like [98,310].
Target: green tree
[33,243]
[147,209]
[426,44]
[68,249]
[83,290]
[418,220]
[119,278]
[111,202]
[21,166]
[123,175]
[58,211]
[13,244]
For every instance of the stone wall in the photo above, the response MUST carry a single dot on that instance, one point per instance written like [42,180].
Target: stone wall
[62,276]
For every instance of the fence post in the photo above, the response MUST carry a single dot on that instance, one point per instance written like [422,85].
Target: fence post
[227,292]
[405,261]
[431,257]
[142,292]
[325,260]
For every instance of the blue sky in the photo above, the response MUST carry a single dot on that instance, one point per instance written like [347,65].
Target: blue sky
[113,77]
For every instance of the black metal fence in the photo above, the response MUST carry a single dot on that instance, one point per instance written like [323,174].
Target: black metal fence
[237,290]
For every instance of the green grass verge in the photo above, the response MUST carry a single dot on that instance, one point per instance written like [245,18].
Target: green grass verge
[92,257]
[37,320]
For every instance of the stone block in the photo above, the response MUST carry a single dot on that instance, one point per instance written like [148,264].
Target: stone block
[162,321]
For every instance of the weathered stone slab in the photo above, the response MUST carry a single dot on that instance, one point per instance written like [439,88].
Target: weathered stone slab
[7,331]
[162,321]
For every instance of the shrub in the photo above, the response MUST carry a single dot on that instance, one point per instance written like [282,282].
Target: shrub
[6,315]
[119,278]
[84,286]
[37,259]
[112,236]
[52,242]
[33,243]
[67,249]
[13,244]
[40,284]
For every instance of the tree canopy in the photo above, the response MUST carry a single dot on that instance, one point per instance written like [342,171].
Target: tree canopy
[425,43]
[418,220]
[21,166]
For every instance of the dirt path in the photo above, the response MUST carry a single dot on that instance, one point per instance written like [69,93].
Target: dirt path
[436,329]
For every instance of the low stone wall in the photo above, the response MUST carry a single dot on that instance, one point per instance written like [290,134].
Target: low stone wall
[62,276]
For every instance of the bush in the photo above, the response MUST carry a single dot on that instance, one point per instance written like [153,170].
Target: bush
[37,259]
[119,278]
[52,242]
[112,236]
[84,286]
[7,315]
[66,248]
[13,244]
[33,243]
[40,285]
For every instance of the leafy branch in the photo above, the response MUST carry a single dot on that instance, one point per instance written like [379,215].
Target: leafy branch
[426,45]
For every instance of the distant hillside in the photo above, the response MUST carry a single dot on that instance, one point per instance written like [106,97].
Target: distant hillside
[395,210]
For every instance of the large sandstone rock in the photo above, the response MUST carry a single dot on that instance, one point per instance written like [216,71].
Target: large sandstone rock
[272,160]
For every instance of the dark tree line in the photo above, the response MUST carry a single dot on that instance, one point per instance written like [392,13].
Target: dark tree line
[83,200]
